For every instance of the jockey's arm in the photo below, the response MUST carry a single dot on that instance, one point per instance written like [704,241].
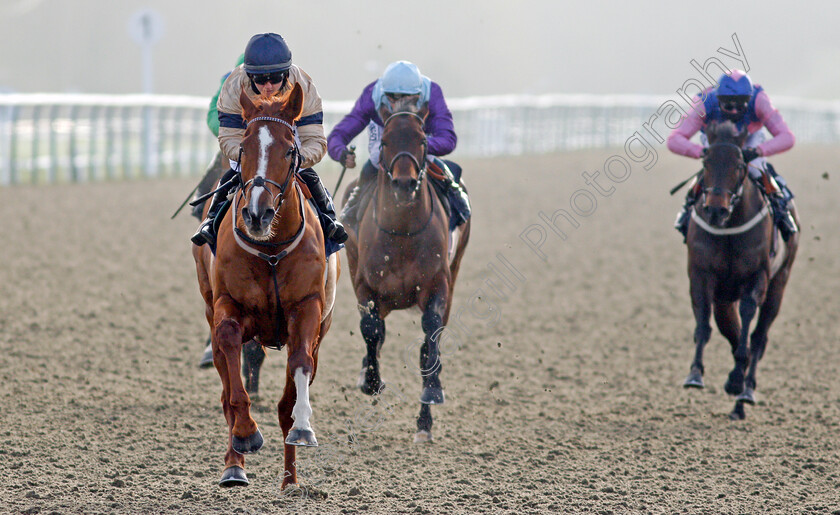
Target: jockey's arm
[679,141]
[439,125]
[783,138]
[351,125]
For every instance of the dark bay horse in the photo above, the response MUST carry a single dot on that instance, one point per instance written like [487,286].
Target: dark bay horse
[737,263]
[269,282]
[403,255]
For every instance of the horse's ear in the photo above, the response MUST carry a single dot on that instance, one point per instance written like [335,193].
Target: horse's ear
[711,131]
[249,110]
[294,103]
[742,135]
[384,111]
[423,112]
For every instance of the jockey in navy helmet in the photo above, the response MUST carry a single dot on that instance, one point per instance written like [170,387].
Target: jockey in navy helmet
[268,71]
[745,104]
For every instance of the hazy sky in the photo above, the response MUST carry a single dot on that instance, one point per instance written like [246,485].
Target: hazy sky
[469,47]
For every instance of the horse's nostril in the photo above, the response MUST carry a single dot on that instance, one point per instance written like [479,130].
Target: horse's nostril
[413,183]
[267,216]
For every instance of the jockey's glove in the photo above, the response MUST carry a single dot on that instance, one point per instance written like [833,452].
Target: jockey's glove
[750,154]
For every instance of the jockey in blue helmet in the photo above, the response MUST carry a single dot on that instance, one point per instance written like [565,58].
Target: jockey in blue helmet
[747,105]
[268,71]
[401,82]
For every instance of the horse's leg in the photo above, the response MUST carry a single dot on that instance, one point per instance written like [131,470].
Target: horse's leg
[284,414]
[234,473]
[253,355]
[304,325]
[372,326]
[758,340]
[747,309]
[227,339]
[728,322]
[701,300]
[430,365]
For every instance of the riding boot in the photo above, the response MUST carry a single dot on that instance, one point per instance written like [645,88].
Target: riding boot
[681,223]
[333,229]
[779,196]
[206,232]
[460,204]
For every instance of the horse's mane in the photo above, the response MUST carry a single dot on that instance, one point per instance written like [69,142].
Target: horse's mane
[274,105]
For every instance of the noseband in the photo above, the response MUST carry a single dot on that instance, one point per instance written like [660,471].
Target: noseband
[294,166]
[420,164]
[734,195]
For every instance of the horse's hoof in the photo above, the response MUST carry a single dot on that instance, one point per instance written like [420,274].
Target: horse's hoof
[249,444]
[421,437]
[207,357]
[738,412]
[303,437]
[694,380]
[748,396]
[432,395]
[367,389]
[733,386]
[234,476]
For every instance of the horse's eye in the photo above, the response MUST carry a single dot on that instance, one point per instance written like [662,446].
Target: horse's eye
[290,152]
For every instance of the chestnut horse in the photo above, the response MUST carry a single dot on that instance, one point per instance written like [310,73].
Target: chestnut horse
[737,263]
[403,255]
[268,281]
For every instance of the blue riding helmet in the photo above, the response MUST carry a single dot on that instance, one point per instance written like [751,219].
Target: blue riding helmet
[733,93]
[267,53]
[729,86]
[402,77]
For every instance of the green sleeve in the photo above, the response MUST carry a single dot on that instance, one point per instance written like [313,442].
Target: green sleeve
[212,112]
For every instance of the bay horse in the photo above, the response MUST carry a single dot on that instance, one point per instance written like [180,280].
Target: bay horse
[268,281]
[737,263]
[402,255]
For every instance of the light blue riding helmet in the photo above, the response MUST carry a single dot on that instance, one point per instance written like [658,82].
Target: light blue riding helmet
[402,77]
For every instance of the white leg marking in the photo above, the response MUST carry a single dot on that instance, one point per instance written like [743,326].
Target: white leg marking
[302,410]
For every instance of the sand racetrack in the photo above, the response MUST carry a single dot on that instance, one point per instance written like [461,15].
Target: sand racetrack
[565,397]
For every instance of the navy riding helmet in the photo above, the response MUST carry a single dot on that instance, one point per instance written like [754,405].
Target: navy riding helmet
[267,53]
[734,91]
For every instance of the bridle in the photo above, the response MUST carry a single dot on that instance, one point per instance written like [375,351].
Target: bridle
[277,201]
[294,166]
[736,194]
[420,164]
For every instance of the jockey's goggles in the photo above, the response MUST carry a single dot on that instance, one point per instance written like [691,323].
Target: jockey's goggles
[274,78]
[734,104]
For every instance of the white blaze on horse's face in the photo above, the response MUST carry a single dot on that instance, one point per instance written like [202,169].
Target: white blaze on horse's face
[262,166]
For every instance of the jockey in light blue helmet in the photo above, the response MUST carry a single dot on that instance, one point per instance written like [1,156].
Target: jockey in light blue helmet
[401,81]
[401,78]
